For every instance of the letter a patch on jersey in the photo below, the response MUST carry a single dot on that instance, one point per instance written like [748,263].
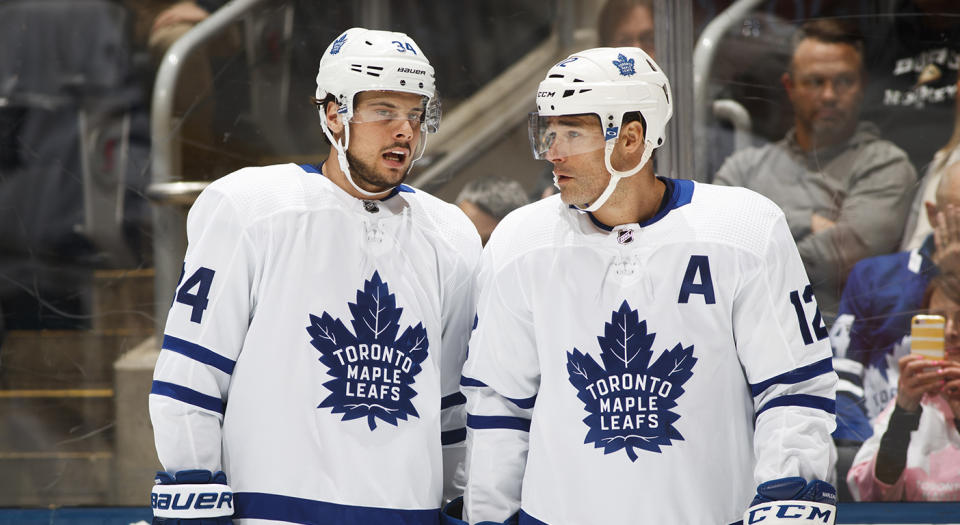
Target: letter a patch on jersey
[373,370]
[630,401]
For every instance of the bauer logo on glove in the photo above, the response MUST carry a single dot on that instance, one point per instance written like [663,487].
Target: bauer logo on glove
[191,494]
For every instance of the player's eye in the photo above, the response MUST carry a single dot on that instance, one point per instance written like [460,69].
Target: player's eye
[386,114]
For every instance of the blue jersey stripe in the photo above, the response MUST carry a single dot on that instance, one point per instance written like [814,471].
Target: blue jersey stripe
[523,403]
[263,506]
[198,353]
[452,400]
[503,422]
[188,395]
[526,402]
[526,519]
[853,378]
[798,375]
[801,400]
[453,436]
[469,381]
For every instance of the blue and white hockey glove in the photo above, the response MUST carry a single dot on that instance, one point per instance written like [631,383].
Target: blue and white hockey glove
[793,500]
[191,497]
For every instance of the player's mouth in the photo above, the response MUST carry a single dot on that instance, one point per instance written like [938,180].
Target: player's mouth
[561,178]
[396,157]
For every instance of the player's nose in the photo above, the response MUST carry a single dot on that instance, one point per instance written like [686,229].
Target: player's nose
[404,130]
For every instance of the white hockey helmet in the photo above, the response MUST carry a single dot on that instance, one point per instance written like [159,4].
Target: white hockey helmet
[607,82]
[369,60]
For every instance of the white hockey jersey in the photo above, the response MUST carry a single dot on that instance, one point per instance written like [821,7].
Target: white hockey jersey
[616,375]
[314,348]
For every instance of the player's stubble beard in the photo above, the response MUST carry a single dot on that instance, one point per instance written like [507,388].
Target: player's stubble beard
[367,177]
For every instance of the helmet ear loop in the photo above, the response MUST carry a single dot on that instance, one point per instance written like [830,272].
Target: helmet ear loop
[616,175]
[421,147]
[341,148]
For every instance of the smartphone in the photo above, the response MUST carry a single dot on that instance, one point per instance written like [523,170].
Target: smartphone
[926,336]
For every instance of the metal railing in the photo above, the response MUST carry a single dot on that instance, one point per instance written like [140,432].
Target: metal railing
[167,189]
[703,56]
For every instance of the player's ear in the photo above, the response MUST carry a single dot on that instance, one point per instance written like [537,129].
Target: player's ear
[631,137]
[333,118]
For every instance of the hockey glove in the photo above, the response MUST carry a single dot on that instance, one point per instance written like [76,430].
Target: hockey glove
[793,500]
[191,497]
[452,514]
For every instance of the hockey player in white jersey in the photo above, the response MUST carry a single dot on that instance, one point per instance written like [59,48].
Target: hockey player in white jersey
[647,350]
[312,355]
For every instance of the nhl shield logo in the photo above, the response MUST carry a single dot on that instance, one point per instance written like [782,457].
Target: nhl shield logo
[625,236]
[337,44]
[373,370]
[625,65]
[630,401]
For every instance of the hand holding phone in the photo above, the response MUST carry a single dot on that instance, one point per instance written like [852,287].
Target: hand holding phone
[920,371]
[926,336]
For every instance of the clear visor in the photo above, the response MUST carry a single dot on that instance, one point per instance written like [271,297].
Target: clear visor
[426,116]
[564,135]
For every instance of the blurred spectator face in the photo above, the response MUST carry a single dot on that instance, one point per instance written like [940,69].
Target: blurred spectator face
[825,87]
[488,199]
[484,222]
[940,304]
[635,30]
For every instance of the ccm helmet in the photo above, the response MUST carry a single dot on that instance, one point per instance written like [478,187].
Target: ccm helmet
[609,83]
[368,60]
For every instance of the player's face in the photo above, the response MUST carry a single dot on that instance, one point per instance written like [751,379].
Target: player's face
[384,134]
[940,304]
[577,157]
[825,86]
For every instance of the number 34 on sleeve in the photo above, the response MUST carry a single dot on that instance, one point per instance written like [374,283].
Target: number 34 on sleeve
[193,292]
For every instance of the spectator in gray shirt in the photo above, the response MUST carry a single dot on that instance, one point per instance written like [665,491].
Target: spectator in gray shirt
[845,192]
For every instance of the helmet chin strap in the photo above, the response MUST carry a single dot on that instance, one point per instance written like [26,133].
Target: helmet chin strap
[615,175]
[342,159]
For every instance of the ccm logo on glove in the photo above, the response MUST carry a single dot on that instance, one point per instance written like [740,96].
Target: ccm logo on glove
[788,511]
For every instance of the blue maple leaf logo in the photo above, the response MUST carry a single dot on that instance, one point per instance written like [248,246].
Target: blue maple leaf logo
[630,401]
[337,44]
[625,65]
[373,371]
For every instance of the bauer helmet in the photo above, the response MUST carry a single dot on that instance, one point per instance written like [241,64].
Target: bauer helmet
[607,82]
[368,60]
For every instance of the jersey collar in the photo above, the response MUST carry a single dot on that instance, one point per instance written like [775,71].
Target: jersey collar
[318,169]
[679,192]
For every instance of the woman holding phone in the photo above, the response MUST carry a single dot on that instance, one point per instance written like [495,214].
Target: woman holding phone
[914,453]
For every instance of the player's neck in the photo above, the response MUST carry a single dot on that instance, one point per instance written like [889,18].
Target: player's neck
[636,199]
[331,170]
